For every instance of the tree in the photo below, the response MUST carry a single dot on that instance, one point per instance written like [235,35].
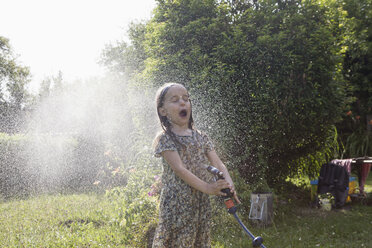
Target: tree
[269,75]
[264,76]
[127,60]
[355,129]
[13,95]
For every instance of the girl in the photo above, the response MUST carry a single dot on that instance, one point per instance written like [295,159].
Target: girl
[184,218]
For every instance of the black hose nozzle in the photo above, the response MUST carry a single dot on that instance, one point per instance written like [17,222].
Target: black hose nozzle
[219,175]
[228,197]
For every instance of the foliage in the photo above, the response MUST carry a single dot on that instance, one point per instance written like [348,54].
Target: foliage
[265,76]
[135,209]
[285,92]
[309,164]
[12,181]
[13,94]
[356,124]
[51,86]
[358,144]
[125,59]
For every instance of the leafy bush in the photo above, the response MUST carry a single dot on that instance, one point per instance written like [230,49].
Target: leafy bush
[136,211]
[265,77]
[359,144]
[14,177]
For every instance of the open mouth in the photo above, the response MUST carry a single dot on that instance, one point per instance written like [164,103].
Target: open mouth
[183,113]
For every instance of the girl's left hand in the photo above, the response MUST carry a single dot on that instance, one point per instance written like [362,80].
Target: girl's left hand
[232,190]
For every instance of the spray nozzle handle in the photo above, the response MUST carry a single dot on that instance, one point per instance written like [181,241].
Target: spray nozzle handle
[219,174]
[228,197]
[228,193]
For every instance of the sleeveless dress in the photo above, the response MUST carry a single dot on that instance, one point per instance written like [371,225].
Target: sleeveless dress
[184,216]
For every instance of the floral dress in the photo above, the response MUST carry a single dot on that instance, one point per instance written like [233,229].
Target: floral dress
[184,218]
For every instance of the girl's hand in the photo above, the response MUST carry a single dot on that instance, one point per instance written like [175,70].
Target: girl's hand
[216,187]
[232,189]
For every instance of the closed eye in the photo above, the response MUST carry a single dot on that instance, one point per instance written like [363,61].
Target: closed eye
[185,98]
[175,99]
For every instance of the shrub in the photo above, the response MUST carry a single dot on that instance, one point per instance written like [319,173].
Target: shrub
[136,210]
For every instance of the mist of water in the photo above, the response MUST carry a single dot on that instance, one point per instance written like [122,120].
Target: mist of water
[75,131]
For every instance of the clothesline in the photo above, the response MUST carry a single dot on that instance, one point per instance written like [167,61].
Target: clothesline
[367,161]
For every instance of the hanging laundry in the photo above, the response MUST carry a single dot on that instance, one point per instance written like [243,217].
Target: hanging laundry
[343,162]
[364,166]
[334,179]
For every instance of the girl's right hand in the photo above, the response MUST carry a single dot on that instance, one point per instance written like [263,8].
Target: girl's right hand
[216,187]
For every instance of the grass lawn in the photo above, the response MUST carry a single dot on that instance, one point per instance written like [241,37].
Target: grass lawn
[87,220]
[59,221]
[296,224]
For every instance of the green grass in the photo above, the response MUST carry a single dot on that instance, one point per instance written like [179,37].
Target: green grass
[59,221]
[315,228]
[89,220]
[297,224]
[301,226]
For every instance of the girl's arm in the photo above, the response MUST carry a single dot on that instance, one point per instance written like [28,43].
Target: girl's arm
[216,162]
[174,161]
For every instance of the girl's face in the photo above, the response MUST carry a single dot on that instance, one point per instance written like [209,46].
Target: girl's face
[176,106]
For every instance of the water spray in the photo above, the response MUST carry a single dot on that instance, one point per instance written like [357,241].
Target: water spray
[231,208]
